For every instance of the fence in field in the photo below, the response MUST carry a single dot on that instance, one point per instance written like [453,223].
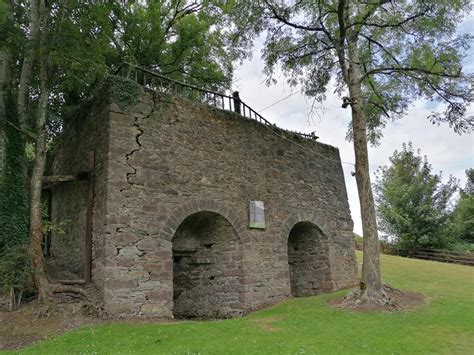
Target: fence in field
[384,248]
[446,256]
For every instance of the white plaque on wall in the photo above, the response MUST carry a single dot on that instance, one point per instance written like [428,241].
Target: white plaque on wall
[257,215]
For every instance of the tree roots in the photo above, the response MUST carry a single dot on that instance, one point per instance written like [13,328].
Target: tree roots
[47,289]
[387,299]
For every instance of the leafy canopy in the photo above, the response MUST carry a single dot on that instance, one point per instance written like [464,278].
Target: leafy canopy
[413,204]
[87,40]
[186,40]
[408,50]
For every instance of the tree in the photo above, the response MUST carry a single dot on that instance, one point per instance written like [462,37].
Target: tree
[14,264]
[463,215]
[469,188]
[65,50]
[184,40]
[5,16]
[412,203]
[382,55]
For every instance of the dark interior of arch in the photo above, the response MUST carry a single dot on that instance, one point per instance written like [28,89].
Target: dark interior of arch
[207,268]
[308,260]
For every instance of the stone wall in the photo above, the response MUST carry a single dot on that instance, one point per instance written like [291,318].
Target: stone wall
[173,182]
[170,158]
[308,259]
[84,132]
[207,268]
[68,213]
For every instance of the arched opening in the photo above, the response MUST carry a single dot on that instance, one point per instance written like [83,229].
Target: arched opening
[207,268]
[308,260]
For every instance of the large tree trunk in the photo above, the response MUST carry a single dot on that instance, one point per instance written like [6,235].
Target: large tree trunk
[28,61]
[36,235]
[4,87]
[5,77]
[45,287]
[371,284]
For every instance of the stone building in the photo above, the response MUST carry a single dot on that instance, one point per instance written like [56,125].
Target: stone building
[164,228]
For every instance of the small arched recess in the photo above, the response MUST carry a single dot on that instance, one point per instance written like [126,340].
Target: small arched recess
[207,267]
[308,260]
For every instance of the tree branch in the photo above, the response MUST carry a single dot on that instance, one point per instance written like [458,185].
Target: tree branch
[391,70]
[340,49]
[391,25]
[381,107]
[282,19]
[378,44]
[25,132]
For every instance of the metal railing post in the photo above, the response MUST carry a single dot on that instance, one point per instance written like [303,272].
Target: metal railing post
[236,97]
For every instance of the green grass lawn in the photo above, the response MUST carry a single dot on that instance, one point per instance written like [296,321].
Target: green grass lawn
[445,325]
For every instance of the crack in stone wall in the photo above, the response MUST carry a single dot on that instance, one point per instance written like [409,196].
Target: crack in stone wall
[128,156]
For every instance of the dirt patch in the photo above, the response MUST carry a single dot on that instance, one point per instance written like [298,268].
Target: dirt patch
[35,322]
[396,300]
[266,324]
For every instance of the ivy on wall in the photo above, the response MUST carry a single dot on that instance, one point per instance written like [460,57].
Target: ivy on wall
[14,264]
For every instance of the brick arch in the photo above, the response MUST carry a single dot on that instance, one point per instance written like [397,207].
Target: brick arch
[302,282]
[178,215]
[315,219]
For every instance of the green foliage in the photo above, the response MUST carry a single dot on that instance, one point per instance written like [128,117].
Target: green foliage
[463,215]
[3,13]
[11,36]
[462,246]
[48,227]
[13,218]
[14,264]
[464,218]
[307,325]
[15,268]
[413,203]
[469,188]
[184,40]
[56,228]
[123,91]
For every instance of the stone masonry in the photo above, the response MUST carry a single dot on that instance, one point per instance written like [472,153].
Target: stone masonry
[173,182]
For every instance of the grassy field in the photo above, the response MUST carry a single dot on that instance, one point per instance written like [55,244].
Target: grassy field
[445,325]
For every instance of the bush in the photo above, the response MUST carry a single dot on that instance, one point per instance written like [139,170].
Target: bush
[16,273]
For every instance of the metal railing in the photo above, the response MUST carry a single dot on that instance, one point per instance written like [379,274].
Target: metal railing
[155,81]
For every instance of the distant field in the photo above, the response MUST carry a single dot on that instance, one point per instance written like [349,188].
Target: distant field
[445,325]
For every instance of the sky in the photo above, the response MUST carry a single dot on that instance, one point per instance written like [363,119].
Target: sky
[446,151]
